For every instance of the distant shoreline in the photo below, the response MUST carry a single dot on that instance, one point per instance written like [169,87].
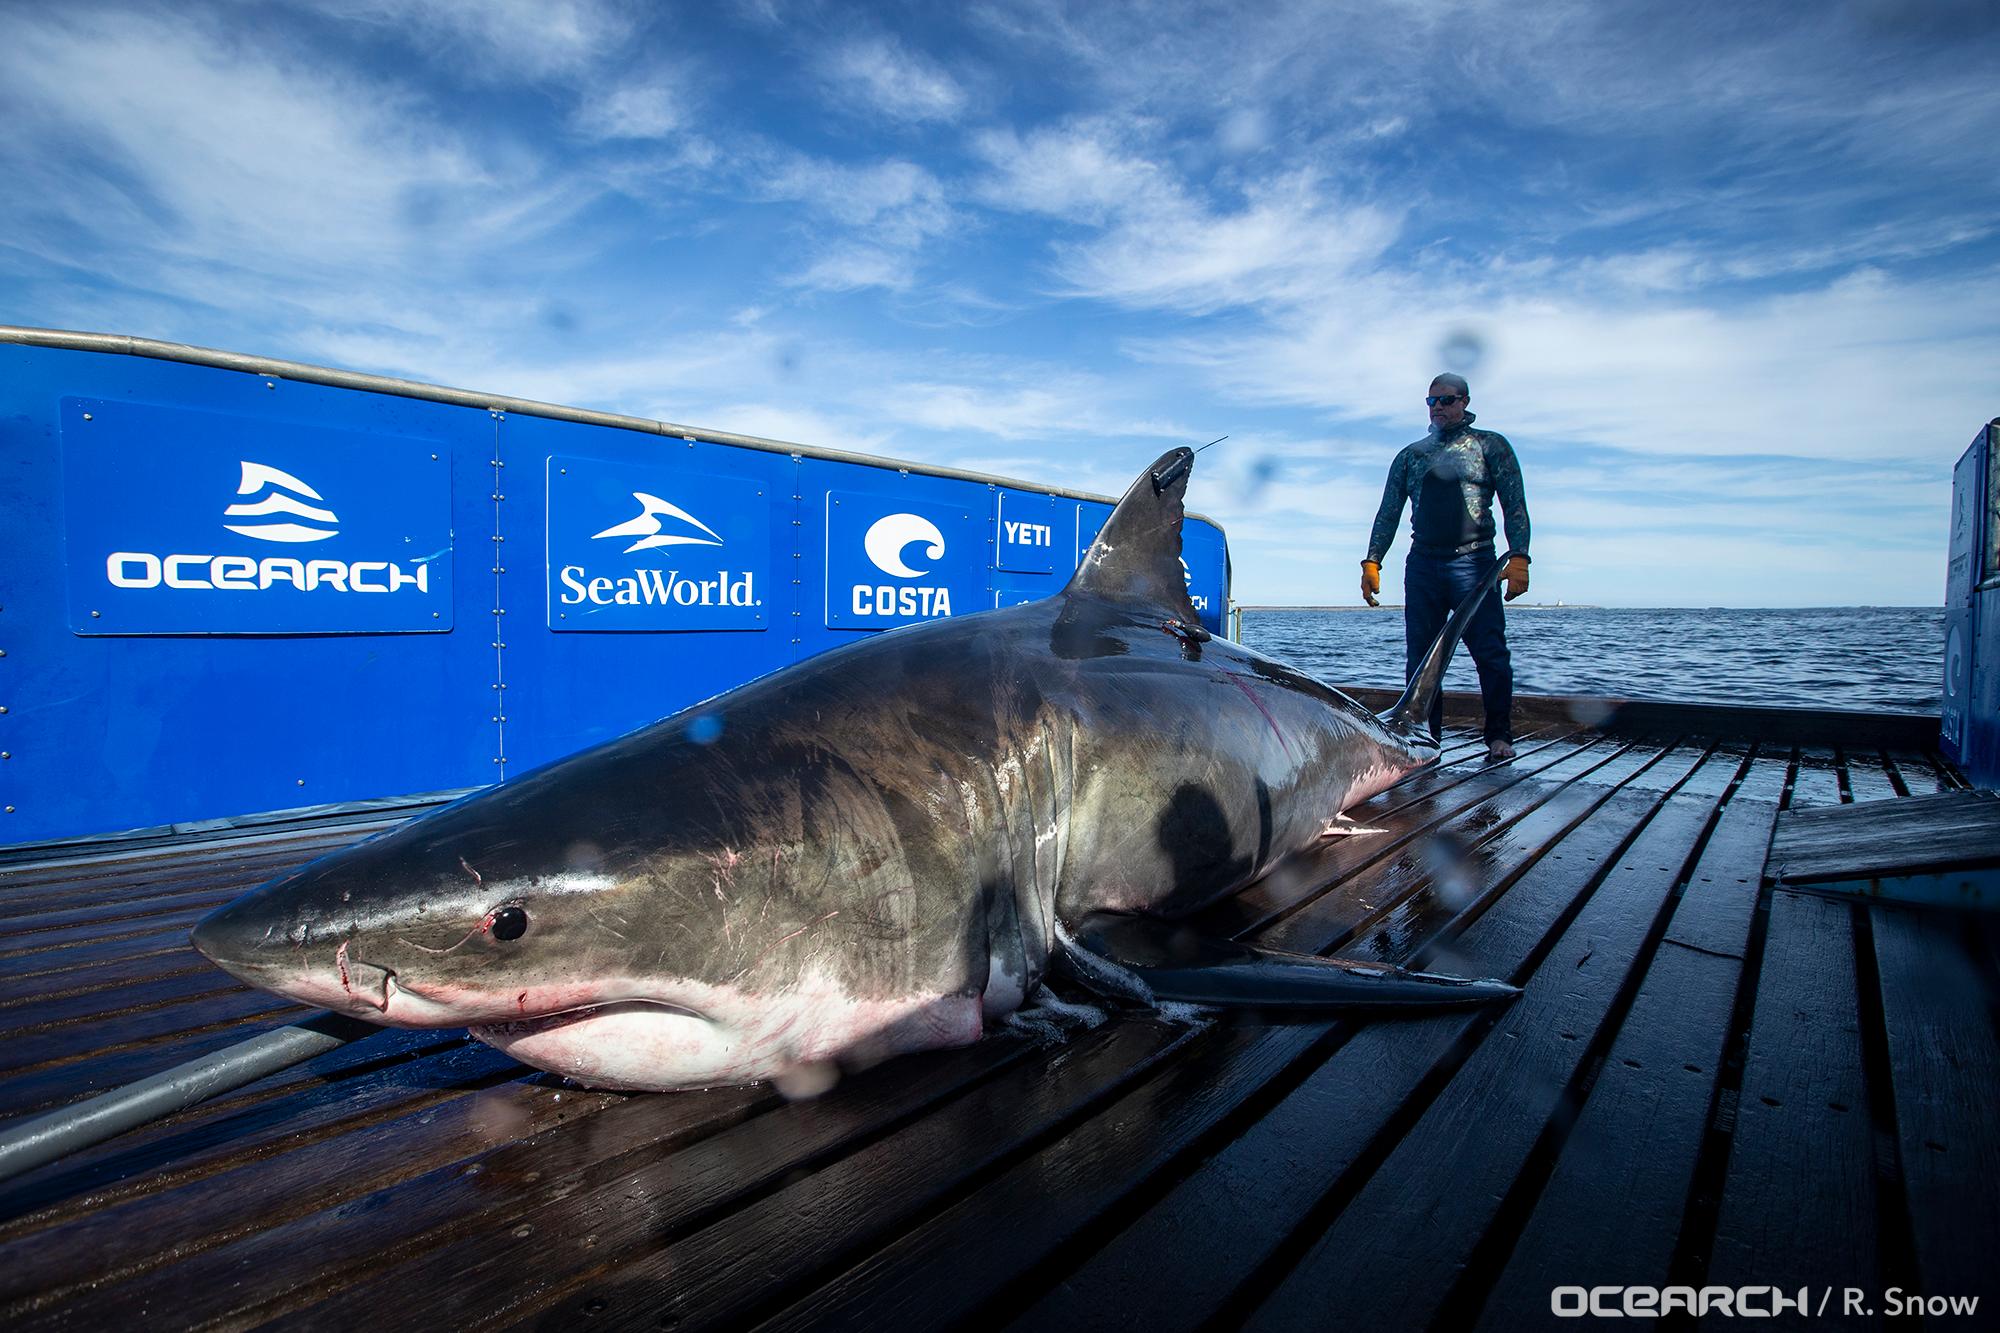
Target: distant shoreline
[1397,606]
[1586,606]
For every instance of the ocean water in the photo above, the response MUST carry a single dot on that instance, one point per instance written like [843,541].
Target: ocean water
[1860,657]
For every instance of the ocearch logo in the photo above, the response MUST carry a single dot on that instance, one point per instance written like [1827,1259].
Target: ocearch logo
[1187,577]
[200,571]
[258,477]
[888,542]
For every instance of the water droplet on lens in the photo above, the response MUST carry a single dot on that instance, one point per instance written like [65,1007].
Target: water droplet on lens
[705,730]
[1462,350]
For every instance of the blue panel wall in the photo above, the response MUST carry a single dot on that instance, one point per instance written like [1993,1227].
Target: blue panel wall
[1971,704]
[576,674]
[106,732]
[1960,618]
[252,652]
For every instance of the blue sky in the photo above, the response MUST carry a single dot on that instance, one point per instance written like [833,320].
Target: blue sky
[1727,275]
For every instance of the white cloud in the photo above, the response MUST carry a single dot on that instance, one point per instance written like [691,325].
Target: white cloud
[494,40]
[890,80]
[649,108]
[895,202]
[1087,171]
[190,145]
[1158,242]
[856,267]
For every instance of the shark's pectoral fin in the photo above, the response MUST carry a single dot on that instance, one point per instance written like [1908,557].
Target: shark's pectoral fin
[1175,962]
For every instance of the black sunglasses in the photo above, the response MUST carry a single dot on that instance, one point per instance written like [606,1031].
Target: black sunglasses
[1445,401]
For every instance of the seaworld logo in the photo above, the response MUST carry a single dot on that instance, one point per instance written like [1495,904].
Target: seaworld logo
[658,587]
[646,527]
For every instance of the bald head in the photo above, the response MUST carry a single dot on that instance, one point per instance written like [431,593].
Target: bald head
[1447,399]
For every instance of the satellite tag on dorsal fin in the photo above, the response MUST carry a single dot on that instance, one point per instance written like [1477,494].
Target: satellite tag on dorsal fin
[1137,554]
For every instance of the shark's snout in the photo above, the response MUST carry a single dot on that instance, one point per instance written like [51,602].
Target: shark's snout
[254,944]
[236,940]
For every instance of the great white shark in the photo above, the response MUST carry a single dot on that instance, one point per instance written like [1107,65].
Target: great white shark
[881,849]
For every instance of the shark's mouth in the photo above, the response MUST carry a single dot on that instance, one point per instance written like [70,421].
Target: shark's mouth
[632,1044]
[537,1024]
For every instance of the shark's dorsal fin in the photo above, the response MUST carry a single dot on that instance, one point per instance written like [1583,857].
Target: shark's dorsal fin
[1137,554]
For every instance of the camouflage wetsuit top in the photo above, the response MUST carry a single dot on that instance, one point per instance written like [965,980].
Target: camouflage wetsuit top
[1452,479]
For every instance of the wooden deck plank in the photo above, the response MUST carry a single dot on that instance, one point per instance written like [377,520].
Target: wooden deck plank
[30,1050]
[112,1004]
[350,1084]
[235,1239]
[101,976]
[100,940]
[1419,893]
[1920,773]
[116,915]
[32,882]
[37,965]
[1867,779]
[1166,1269]
[1937,1008]
[672,1258]
[1798,1201]
[1422,1216]
[1410,890]
[1818,781]
[1639,1131]
[24,893]
[1896,836]
[26,1092]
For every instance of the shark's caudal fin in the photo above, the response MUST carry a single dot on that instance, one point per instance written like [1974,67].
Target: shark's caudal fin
[1412,712]
[1137,554]
[1152,960]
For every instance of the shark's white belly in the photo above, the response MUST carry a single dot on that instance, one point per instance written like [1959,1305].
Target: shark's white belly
[716,1036]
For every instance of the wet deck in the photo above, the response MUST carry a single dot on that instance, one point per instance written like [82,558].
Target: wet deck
[1706,1081]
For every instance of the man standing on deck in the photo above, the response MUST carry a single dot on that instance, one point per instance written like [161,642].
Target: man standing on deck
[1451,478]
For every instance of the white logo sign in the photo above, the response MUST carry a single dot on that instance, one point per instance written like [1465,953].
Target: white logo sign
[257,478]
[201,571]
[1187,577]
[1029,534]
[887,540]
[657,587]
[890,535]
[646,527]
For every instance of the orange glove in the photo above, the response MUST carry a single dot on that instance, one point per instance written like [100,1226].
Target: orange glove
[1516,574]
[1371,582]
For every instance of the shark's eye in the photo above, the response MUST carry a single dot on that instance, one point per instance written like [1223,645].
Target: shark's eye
[510,922]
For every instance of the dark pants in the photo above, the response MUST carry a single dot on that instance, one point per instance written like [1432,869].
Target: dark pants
[1432,587]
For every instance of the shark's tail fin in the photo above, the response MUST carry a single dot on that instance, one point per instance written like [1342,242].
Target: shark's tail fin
[1412,712]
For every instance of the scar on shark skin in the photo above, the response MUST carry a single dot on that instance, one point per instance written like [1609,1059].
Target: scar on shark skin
[484,922]
[1251,695]
[476,880]
[763,953]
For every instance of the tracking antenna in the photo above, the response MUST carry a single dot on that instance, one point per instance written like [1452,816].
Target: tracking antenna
[1173,471]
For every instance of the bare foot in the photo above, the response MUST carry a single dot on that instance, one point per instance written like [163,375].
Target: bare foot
[1497,751]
